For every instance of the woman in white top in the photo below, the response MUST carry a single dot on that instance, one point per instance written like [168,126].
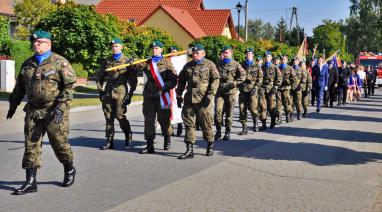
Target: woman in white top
[362,77]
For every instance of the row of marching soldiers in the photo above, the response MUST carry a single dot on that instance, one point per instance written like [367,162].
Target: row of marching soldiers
[267,88]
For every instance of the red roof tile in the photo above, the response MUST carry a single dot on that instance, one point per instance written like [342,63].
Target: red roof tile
[6,7]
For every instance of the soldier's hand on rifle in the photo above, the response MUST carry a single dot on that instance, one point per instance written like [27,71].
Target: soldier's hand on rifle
[58,116]
[179,101]
[11,112]
[207,100]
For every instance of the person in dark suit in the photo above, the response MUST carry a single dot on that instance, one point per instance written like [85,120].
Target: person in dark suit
[343,78]
[330,94]
[374,72]
[320,75]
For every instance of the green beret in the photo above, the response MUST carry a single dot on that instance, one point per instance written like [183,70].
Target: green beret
[40,34]
[197,47]
[116,41]
[171,48]
[284,55]
[157,43]
[226,48]
[249,50]
[268,53]
[259,58]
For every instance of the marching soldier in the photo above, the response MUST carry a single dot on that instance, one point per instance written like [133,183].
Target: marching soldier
[306,89]
[288,79]
[297,88]
[279,103]
[161,78]
[272,79]
[47,79]
[201,79]
[231,75]
[249,90]
[116,95]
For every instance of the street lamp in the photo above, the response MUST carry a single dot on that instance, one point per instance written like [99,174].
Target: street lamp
[238,7]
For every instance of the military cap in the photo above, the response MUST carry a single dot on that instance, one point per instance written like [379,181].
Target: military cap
[197,47]
[249,50]
[116,41]
[157,43]
[296,58]
[268,53]
[226,48]
[40,34]
[171,48]
[259,58]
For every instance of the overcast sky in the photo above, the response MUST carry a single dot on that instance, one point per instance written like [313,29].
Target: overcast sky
[310,13]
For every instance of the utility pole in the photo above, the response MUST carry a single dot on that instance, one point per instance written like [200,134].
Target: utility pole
[246,20]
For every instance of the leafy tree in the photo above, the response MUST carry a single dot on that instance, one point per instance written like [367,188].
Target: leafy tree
[292,37]
[329,36]
[4,29]
[257,30]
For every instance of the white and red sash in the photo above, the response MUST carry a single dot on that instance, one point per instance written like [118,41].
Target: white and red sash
[165,100]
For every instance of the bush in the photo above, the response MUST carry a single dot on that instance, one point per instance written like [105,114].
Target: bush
[79,69]
[19,52]
[4,29]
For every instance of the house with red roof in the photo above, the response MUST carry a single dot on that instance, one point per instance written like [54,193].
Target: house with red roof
[185,20]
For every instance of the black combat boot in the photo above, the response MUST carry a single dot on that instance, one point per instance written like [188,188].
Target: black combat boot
[298,116]
[244,130]
[128,135]
[279,120]
[30,184]
[291,117]
[227,134]
[210,149]
[264,125]
[109,144]
[149,148]
[255,127]
[179,131]
[304,114]
[70,175]
[287,118]
[189,152]
[167,143]
[218,133]
[273,122]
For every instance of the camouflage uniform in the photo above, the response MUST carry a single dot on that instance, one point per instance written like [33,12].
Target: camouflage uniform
[151,100]
[288,80]
[271,83]
[297,90]
[48,87]
[231,75]
[202,81]
[115,92]
[249,94]
[306,91]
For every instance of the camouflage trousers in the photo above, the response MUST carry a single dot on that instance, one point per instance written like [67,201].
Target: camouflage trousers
[297,100]
[287,101]
[267,104]
[151,110]
[196,112]
[114,109]
[224,103]
[250,102]
[34,130]
[305,100]
[279,103]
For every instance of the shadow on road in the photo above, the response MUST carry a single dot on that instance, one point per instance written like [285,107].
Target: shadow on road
[343,117]
[8,185]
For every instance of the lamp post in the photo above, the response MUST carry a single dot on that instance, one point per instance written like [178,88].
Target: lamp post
[238,7]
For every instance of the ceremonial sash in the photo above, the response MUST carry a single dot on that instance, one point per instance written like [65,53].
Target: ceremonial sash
[165,100]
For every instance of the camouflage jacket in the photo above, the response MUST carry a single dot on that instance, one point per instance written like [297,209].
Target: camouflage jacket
[300,80]
[200,80]
[288,78]
[168,74]
[272,77]
[47,85]
[309,81]
[254,77]
[117,80]
[230,73]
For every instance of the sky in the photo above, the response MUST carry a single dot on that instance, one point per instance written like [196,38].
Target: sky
[310,13]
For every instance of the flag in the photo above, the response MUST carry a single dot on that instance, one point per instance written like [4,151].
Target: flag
[303,50]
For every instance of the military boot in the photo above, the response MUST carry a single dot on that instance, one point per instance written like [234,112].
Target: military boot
[244,130]
[210,149]
[255,127]
[298,116]
[179,130]
[30,184]
[227,134]
[167,143]
[291,117]
[279,120]
[70,175]
[128,135]
[218,133]
[304,114]
[149,148]
[189,152]
[273,122]
[109,144]
[264,125]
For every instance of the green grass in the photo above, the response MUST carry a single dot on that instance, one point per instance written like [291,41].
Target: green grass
[80,102]
[86,89]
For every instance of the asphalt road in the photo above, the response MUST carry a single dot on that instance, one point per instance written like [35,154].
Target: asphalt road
[326,162]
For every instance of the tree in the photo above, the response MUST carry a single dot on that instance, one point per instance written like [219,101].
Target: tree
[267,31]
[257,30]
[328,36]
[292,37]
[4,29]
[281,30]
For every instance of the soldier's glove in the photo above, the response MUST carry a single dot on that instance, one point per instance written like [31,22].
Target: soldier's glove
[247,81]
[11,112]
[273,91]
[231,86]
[101,95]
[207,100]
[326,88]
[58,116]
[127,99]
[253,91]
[179,101]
